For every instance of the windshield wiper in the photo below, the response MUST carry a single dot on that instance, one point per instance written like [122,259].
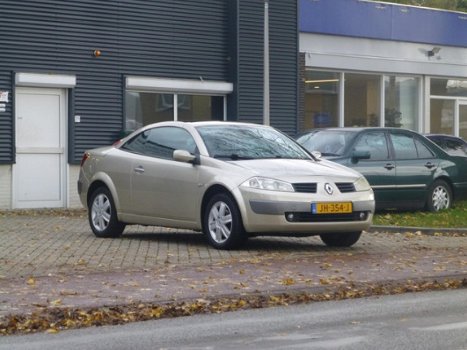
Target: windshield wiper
[232,156]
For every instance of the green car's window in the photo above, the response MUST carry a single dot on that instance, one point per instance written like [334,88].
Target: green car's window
[422,150]
[375,143]
[161,142]
[407,147]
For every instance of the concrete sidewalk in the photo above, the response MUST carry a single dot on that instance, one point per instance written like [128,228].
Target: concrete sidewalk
[54,261]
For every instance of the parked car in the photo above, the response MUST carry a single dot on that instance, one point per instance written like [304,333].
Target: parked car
[405,170]
[453,145]
[229,180]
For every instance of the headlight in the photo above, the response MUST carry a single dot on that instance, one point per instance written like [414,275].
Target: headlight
[264,183]
[362,184]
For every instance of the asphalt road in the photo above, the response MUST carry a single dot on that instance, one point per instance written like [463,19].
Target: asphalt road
[434,320]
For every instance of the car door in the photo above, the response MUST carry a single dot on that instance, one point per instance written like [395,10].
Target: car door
[415,167]
[379,169]
[161,187]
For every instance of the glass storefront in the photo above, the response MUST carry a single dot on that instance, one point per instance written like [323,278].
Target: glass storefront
[364,98]
[442,116]
[401,97]
[463,120]
[448,106]
[143,108]
[322,99]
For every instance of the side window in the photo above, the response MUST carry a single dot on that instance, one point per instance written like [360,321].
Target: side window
[161,142]
[375,143]
[453,145]
[404,146]
[422,150]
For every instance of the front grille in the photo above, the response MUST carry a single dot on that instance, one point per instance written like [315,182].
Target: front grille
[305,187]
[309,217]
[345,187]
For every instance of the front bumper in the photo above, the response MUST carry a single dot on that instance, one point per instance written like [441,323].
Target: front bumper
[289,213]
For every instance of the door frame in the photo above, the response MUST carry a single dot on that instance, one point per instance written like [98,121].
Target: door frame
[459,102]
[63,93]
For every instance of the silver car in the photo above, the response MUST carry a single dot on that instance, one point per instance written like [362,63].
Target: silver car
[228,180]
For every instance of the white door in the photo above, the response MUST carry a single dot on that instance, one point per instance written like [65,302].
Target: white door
[40,170]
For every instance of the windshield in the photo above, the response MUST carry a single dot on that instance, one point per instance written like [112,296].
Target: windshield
[237,142]
[329,142]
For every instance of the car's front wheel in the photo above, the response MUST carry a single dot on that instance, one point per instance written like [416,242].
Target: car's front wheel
[439,196]
[102,214]
[222,222]
[346,239]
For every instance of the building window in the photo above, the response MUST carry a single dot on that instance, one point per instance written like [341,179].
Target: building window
[442,116]
[193,108]
[401,96]
[364,97]
[463,120]
[321,99]
[143,108]
[149,100]
[448,87]
[362,101]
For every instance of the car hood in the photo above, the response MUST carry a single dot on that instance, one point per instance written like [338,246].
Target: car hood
[298,169]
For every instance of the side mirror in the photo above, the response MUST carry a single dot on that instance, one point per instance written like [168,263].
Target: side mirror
[316,154]
[358,155]
[180,155]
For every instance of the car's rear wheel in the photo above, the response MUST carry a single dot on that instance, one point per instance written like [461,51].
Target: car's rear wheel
[102,214]
[439,196]
[346,239]
[222,222]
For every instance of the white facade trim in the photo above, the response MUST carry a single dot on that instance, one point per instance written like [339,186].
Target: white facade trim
[370,55]
[188,86]
[45,80]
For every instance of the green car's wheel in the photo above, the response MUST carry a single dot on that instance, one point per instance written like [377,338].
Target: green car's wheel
[439,196]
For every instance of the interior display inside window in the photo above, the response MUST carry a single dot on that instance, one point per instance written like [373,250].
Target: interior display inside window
[362,100]
[401,102]
[442,116]
[321,99]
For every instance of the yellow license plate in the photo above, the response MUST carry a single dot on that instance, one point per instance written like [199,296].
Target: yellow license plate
[331,208]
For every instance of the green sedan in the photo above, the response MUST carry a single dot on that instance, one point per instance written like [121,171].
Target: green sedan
[404,168]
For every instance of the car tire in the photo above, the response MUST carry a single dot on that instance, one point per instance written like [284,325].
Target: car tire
[102,214]
[439,196]
[340,239]
[222,222]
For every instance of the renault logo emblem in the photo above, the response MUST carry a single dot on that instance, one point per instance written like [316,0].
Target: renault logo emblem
[328,188]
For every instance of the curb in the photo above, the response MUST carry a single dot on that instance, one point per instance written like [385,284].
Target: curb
[55,319]
[422,230]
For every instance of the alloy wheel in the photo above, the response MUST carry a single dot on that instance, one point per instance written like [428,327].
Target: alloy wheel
[220,222]
[440,198]
[101,212]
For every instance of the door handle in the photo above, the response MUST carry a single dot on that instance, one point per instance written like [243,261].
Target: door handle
[139,170]
[389,166]
[430,165]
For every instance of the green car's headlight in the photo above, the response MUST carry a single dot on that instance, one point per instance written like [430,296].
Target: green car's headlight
[362,184]
[264,183]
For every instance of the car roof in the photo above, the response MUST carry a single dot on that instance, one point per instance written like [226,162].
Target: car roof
[445,136]
[203,123]
[357,129]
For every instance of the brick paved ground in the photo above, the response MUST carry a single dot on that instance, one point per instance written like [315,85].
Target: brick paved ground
[56,259]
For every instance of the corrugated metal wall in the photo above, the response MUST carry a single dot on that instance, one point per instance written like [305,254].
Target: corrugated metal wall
[283,53]
[163,38]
